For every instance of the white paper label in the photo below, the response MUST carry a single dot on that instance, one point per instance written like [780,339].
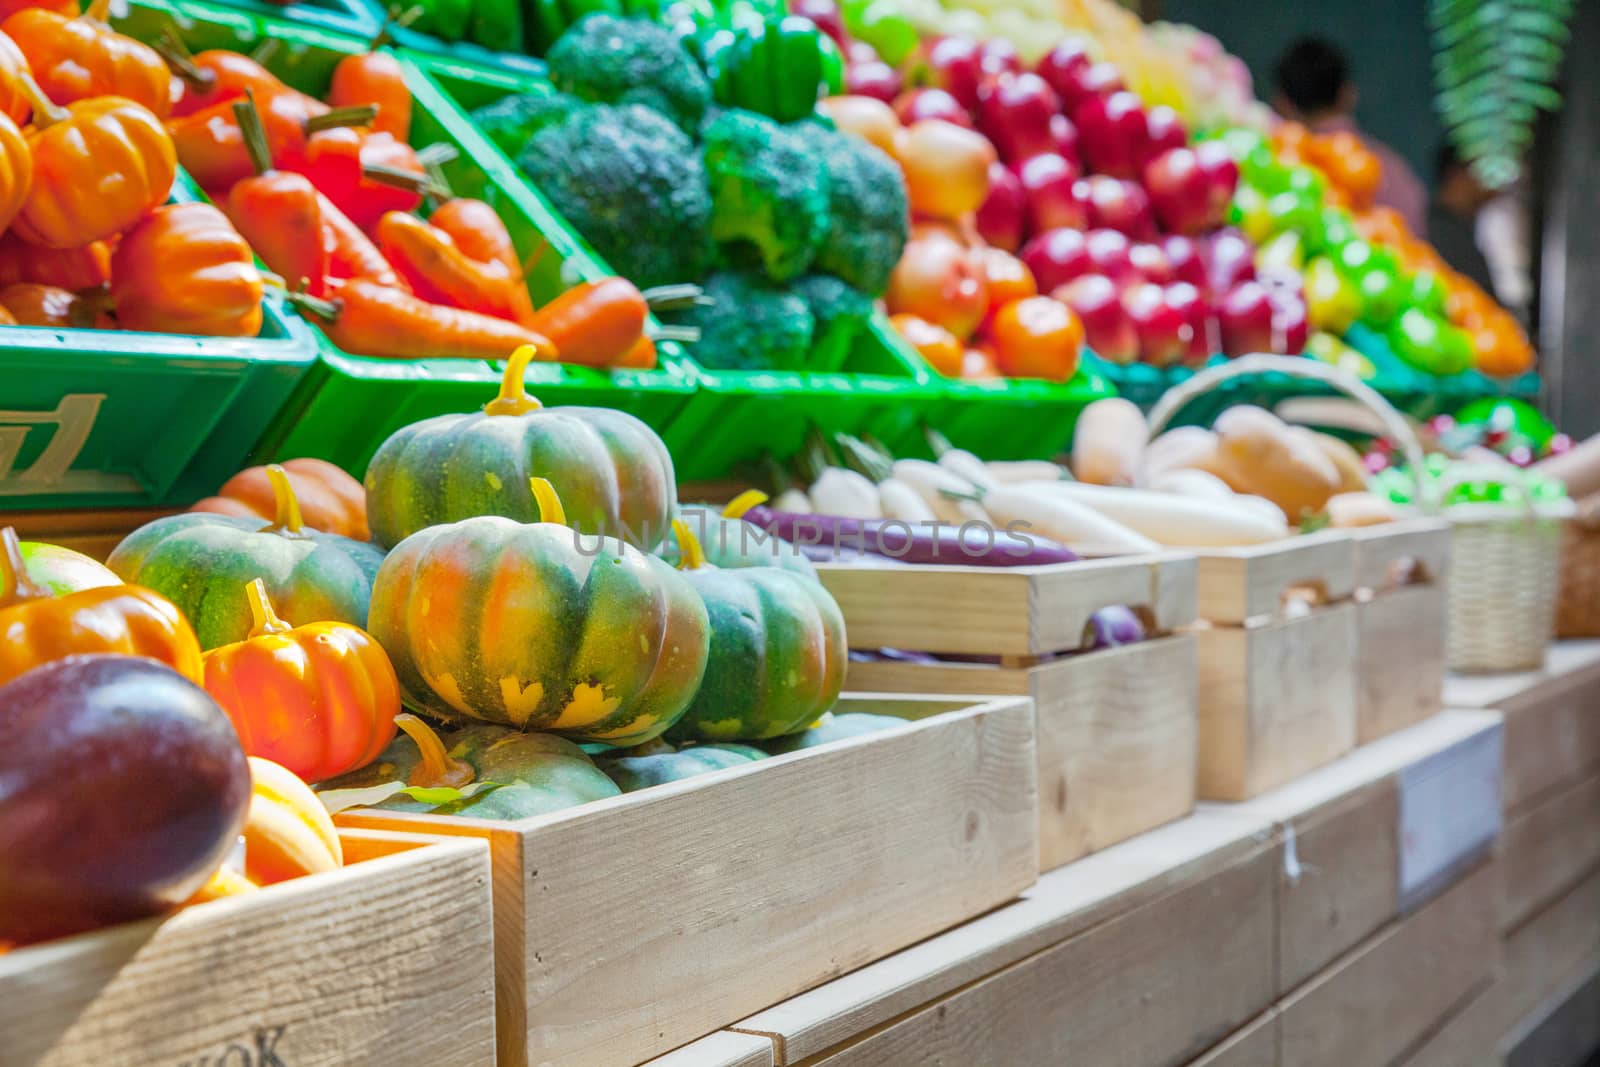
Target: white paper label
[1450,811]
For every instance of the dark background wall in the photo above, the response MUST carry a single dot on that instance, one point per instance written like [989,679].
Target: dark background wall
[1386,41]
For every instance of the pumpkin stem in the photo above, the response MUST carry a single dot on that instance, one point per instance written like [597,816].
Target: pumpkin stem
[15,585]
[743,503]
[437,768]
[266,620]
[550,509]
[514,398]
[98,11]
[46,112]
[286,517]
[691,556]
[181,62]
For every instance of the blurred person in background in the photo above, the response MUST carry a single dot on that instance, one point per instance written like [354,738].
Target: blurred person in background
[1314,87]
[1458,199]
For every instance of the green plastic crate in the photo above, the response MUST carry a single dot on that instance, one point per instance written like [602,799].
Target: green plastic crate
[350,17]
[1014,418]
[736,417]
[117,418]
[349,404]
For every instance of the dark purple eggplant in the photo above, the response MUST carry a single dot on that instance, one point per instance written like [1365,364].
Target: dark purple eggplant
[1112,627]
[825,537]
[122,788]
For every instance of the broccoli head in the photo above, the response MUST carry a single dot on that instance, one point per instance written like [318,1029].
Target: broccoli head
[631,183]
[512,119]
[868,212]
[769,193]
[749,324]
[841,313]
[611,60]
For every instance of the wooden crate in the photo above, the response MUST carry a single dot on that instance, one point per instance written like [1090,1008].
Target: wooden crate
[1469,1037]
[1116,728]
[630,926]
[1562,1032]
[1549,950]
[1384,999]
[725,1048]
[1552,719]
[94,532]
[1401,571]
[1277,691]
[1178,919]
[1549,846]
[1376,832]
[385,961]
[1253,1045]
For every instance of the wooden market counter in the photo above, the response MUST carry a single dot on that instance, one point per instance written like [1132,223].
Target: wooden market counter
[1243,935]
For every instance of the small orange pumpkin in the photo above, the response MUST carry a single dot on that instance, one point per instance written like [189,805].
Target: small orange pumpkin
[185,269]
[129,620]
[330,500]
[120,143]
[319,699]
[46,305]
[16,170]
[288,832]
[78,58]
[14,100]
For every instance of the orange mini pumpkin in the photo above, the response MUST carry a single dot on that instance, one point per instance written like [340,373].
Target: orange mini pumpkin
[121,143]
[14,99]
[82,57]
[185,269]
[330,500]
[130,620]
[288,832]
[16,170]
[319,699]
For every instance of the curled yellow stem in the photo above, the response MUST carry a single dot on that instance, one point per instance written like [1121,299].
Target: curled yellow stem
[514,398]
[691,556]
[437,768]
[266,620]
[286,519]
[743,503]
[15,585]
[544,494]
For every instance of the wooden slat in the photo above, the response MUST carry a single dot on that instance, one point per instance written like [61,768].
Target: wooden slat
[1239,585]
[751,884]
[1401,665]
[1116,732]
[1468,1037]
[721,1049]
[1340,828]
[1558,942]
[1254,1045]
[1226,857]
[1552,718]
[1155,986]
[1021,611]
[1548,848]
[94,532]
[1276,700]
[1425,543]
[1385,997]
[385,961]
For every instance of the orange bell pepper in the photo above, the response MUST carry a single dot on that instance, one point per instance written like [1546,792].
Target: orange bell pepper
[128,620]
[185,269]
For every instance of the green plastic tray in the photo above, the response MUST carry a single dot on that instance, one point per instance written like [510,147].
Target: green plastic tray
[117,418]
[460,51]
[737,416]
[350,17]
[1011,418]
[349,403]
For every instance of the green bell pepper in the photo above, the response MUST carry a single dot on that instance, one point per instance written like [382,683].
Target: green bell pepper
[1430,344]
[448,20]
[775,67]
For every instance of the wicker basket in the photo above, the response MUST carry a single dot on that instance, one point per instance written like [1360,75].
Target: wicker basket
[1578,600]
[1501,611]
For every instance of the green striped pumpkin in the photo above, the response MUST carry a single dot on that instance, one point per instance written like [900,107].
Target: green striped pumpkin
[203,562]
[535,627]
[613,474]
[777,657]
